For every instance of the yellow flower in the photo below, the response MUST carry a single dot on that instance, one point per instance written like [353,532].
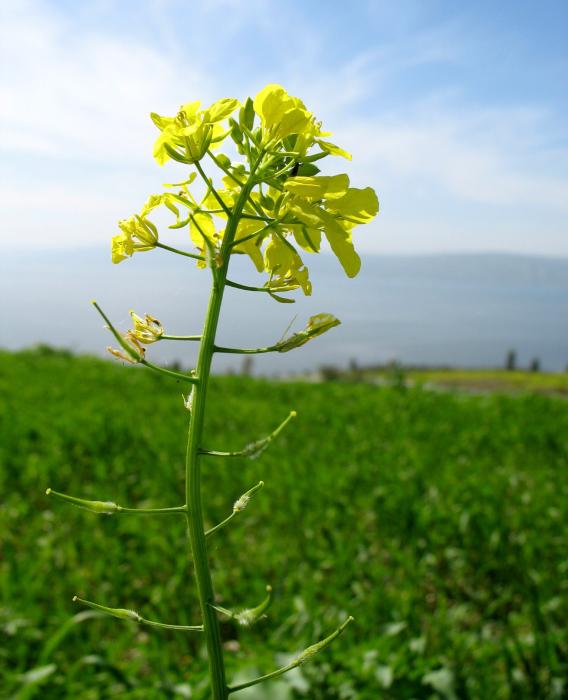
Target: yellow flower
[285,265]
[187,136]
[133,351]
[146,330]
[327,203]
[283,115]
[138,233]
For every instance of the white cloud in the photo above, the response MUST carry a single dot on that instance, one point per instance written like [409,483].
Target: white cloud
[77,95]
[447,153]
[77,98]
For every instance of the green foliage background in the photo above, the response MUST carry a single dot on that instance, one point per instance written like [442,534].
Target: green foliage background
[438,520]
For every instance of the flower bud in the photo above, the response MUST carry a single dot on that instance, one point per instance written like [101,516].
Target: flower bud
[318,324]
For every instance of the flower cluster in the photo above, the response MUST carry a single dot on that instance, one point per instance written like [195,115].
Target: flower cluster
[289,207]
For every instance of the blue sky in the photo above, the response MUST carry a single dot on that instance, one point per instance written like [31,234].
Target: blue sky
[454,112]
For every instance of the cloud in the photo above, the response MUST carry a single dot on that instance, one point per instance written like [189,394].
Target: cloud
[76,90]
[449,153]
[80,95]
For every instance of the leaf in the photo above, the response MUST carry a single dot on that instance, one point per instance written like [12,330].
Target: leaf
[394,628]
[442,681]
[308,169]
[38,674]
[384,676]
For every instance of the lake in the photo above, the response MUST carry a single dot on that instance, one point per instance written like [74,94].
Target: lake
[454,309]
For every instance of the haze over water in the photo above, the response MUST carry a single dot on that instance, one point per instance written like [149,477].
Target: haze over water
[456,310]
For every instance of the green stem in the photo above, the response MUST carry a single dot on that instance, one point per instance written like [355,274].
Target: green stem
[268,290]
[124,614]
[221,525]
[256,234]
[180,337]
[169,372]
[219,689]
[152,511]
[209,184]
[179,252]
[306,655]
[245,351]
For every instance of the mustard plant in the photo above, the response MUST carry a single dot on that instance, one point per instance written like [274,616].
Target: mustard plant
[268,202]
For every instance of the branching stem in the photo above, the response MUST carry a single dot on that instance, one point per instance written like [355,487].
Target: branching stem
[219,689]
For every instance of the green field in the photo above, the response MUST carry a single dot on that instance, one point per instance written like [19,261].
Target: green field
[494,380]
[470,380]
[439,520]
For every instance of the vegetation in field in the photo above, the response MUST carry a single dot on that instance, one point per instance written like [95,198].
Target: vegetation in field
[475,380]
[438,520]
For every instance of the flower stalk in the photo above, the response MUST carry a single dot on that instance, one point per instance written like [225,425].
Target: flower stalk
[272,208]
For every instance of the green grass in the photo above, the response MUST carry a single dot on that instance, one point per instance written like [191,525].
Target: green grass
[439,520]
[495,380]
[476,380]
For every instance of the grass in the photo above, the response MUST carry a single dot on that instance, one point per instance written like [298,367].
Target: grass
[495,380]
[473,380]
[439,520]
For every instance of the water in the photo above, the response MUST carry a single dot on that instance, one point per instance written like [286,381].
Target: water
[456,310]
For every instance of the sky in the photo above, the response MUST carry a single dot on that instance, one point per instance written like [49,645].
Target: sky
[454,112]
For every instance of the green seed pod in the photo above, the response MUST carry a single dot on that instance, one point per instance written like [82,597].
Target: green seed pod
[104,507]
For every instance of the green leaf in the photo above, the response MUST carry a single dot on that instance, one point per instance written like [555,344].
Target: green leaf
[384,676]
[37,675]
[308,169]
[442,681]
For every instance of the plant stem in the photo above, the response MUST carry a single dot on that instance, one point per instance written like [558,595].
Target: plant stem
[219,689]
[179,252]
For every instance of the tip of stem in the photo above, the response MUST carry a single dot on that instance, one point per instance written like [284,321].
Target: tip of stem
[293,414]
[260,484]
[269,588]
[75,599]
[94,302]
[47,492]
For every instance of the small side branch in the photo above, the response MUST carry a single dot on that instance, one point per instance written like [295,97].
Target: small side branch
[238,507]
[133,351]
[170,373]
[255,449]
[249,616]
[124,614]
[268,290]
[108,507]
[194,256]
[246,351]
[306,655]
[181,337]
